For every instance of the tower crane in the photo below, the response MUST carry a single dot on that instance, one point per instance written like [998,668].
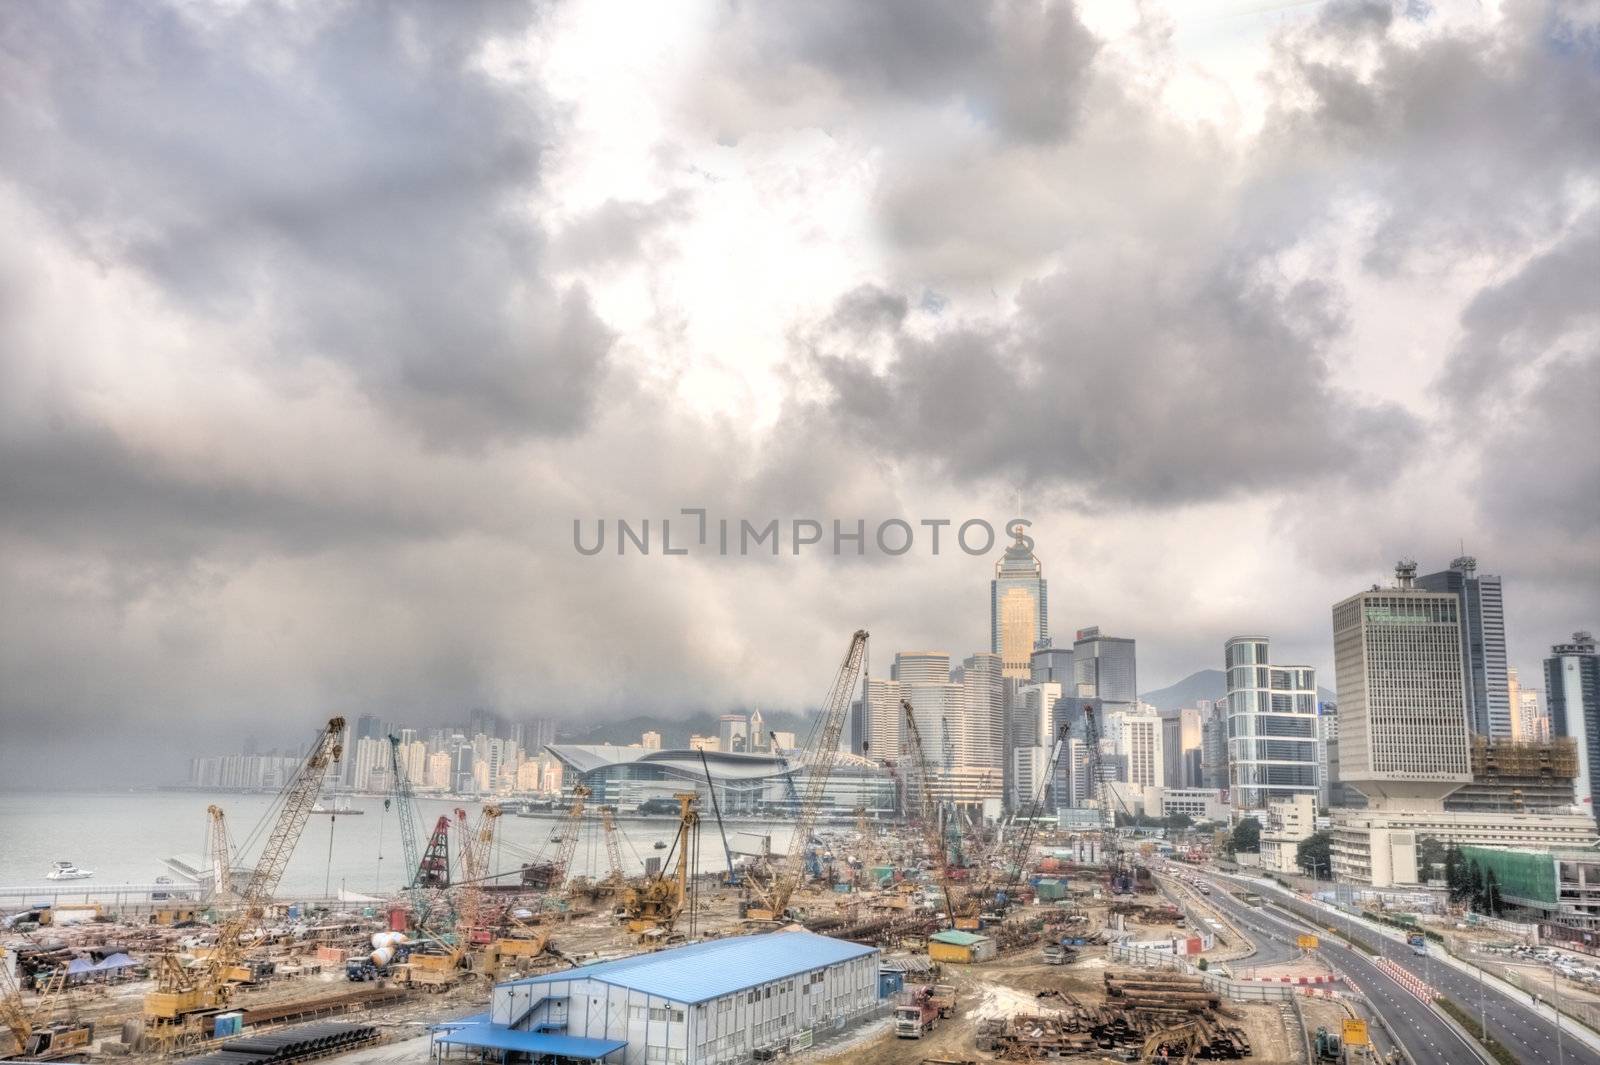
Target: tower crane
[772,898]
[183,994]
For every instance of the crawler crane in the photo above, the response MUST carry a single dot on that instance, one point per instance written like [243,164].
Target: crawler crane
[185,994]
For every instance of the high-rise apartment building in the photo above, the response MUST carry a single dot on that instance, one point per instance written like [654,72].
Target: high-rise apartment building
[1572,692]
[1104,669]
[1526,711]
[1483,643]
[1018,608]
[650,741]
[1272,726]
[1402,699]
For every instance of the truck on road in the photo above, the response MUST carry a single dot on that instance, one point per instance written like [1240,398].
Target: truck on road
[917,1015]
[1418,943]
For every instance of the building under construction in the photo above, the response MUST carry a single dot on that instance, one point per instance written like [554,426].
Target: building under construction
[1510,776]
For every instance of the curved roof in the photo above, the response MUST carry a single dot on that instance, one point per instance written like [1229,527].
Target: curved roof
[585,758]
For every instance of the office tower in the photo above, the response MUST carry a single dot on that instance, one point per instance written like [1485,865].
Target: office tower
[464,760]
[650,741]
[1103,668]
[1272,726]
[1572,693]
[1402,701]
[1214,744]
[758,732]
[1483,643]
[880,715]
[1138,744]
[1050,665]
[733,733]
[1182,743]
[1018,608]
[982,739]
[1032,734]
[1526,713]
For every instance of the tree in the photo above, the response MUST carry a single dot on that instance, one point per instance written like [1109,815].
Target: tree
[1430,855]
[1491,895]
[1246,837]
[1456,874]
[1315,854]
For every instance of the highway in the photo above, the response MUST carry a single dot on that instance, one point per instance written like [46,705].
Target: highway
[1509,1019]
[1416,1027]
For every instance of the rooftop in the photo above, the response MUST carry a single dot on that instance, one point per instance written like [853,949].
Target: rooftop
[957,939]
[703,971]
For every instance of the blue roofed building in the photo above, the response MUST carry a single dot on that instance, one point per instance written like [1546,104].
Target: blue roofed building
[723,1001]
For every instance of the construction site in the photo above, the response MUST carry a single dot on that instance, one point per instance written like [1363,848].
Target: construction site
[987,941]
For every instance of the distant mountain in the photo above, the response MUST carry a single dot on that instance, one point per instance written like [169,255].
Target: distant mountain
[1204,684]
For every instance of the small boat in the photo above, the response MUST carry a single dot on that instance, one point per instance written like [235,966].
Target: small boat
[661,844]
[67,871]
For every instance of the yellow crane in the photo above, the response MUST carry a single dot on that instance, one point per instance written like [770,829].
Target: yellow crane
[37,1036]
[470,923]
[651,909]
[615,881]
[185,993]
[771,900]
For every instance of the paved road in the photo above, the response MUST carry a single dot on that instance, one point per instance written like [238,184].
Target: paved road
[1509,1018]
[1270,948]
[1425,1036]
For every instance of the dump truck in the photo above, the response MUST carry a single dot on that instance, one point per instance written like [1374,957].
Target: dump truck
[916,1015]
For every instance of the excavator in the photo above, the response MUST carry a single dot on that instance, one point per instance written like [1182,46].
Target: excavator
[770,899]
[35,1034]
[651,909]
[186,994]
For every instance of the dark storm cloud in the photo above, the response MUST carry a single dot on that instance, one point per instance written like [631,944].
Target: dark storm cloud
[1143,388]
[1017,66]
[347,174]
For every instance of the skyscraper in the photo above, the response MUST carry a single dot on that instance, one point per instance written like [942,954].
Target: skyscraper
[1572,693]
[1104,669]
[733,733]
[1181,744]
[1018,608]
[1402,703]
[1272,726]
[1483,643]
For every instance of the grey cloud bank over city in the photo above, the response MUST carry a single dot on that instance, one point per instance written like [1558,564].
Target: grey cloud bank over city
[320,324]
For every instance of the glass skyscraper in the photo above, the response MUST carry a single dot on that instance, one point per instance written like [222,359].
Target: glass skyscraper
[1105,668]
[1483,644]
[1272,726]
[1572,693]
[1018,609]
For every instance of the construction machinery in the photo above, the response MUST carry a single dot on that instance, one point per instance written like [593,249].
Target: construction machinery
[920,803]
[615,879]
[471,923]
[185,994]
[651,909]
[1120,876]
[770,900]
[221,855]
[433,870]
[403,799]
[35,1034]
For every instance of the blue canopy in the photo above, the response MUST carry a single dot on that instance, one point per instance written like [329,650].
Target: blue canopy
[497,1037]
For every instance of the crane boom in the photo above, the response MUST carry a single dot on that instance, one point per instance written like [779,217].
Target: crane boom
[279,848]
[570,830]
[474,868]
[404,796]
[918,774]
[834,711]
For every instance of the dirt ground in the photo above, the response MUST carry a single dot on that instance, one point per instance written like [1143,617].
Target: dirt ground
[1011,985]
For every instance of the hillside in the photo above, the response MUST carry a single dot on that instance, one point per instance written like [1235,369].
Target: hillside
[1203,684]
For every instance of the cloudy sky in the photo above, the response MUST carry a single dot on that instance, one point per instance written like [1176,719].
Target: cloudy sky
[320,324]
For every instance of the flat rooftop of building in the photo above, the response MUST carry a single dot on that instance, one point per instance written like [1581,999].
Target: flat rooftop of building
[703,971]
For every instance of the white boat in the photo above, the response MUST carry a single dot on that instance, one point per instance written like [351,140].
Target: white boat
[68,871]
